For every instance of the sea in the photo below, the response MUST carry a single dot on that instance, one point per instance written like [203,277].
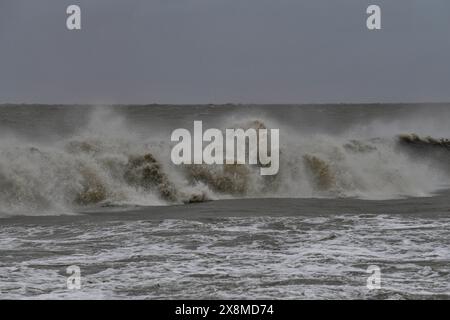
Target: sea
[360,207]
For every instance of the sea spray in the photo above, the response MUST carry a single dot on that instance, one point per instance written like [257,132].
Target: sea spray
[111,161]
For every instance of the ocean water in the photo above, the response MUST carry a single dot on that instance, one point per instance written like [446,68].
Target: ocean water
[94,187]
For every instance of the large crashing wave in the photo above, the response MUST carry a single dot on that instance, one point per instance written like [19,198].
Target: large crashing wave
[106,165]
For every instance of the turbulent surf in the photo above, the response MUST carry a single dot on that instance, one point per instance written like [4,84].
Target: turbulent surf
[120,156]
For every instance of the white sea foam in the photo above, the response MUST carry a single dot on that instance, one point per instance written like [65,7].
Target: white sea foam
[322,257]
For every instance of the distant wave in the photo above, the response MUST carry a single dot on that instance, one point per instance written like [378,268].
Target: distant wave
[111,167]
[428,144]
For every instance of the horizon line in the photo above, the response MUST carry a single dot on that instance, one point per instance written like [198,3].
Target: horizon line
[221,104]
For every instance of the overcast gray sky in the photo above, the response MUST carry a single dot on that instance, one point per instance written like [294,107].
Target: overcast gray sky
[218,51]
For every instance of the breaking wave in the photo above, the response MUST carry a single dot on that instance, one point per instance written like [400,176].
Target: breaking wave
[108,165]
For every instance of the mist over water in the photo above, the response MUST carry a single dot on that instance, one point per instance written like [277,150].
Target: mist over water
[59,160]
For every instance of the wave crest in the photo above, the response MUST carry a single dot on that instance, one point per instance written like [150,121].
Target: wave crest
[103,168]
